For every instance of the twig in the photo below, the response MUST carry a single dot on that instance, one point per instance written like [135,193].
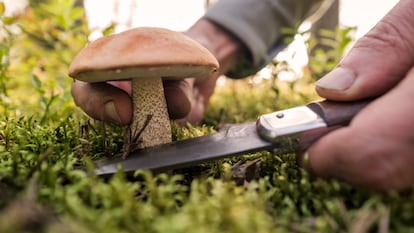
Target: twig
[384,221]
[132,140]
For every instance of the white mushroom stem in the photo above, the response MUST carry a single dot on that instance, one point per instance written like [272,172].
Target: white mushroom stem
[150,123]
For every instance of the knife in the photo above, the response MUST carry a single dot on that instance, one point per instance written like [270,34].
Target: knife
[285,131]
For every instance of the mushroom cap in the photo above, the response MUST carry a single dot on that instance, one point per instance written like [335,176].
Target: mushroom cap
[142,52]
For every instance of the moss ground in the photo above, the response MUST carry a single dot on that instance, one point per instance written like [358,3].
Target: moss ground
[47,149]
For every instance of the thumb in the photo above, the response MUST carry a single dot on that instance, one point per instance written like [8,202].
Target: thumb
[376,149]
[377,61]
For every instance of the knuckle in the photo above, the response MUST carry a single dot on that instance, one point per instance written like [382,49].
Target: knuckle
[389,38]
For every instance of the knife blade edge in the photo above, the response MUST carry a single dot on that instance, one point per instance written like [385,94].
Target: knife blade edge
[235,140]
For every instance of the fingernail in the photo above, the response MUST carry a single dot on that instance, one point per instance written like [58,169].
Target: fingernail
[339,79]
[111,112]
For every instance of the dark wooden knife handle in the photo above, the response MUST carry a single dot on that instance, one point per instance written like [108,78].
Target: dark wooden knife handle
[336,113]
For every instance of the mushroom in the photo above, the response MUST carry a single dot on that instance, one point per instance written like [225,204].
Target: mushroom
[146,56]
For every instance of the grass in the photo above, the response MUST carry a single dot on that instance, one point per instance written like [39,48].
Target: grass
[47,149]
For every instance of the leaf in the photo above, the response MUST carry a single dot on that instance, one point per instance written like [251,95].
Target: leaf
[8,20]
[108,30]
[36,82]
[2,8]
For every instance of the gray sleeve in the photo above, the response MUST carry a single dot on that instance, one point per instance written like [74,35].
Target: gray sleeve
[258,24]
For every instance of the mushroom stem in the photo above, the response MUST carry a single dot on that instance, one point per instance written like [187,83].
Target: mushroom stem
[150,121]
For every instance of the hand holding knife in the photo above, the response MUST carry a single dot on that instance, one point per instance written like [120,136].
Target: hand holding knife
[290,130]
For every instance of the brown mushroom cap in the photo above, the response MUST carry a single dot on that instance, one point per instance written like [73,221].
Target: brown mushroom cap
[142,52]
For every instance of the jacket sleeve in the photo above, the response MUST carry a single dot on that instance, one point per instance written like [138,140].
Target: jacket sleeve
[258,24]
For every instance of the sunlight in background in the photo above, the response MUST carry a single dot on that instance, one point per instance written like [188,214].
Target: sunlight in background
[179,15]
[176,15]
[364,13]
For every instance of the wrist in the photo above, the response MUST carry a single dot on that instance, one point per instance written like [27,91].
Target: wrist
[221,43]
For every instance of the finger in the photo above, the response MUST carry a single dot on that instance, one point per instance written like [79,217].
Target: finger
[111,102]
[377,62]
[376,150]
[178,94]
[103,102]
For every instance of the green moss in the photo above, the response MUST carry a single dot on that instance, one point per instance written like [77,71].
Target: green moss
[47,149]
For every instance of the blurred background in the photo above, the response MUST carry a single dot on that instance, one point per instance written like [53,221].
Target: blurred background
[302,56]
[180,14]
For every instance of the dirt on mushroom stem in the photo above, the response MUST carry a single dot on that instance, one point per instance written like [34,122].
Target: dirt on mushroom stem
[150,120]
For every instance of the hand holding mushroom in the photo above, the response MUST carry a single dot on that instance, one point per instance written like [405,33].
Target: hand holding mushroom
[145,56]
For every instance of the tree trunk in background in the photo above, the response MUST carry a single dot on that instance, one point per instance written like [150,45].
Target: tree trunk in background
[328,21]
[79,3]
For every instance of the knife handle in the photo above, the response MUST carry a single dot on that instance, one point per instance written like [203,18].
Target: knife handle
[336,113]
[295,129]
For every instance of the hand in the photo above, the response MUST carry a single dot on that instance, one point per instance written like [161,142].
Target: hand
[377,149]
[186,99]
[111,102]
